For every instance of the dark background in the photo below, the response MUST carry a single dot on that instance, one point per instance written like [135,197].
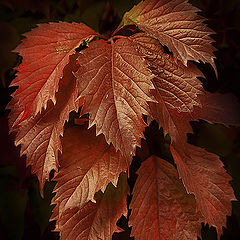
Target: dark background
[23,213]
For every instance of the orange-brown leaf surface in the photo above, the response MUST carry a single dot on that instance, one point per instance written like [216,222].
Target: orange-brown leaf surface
[203,175]
[94,221]
[177,88]
[115,83]
[161,208]
[177,84]
[39,135]
[87,165]
[177,25]
[45,51]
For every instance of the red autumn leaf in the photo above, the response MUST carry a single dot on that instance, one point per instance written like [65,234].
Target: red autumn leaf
[204,185]
[161,208]
[203,175]
[95,221]
[176,84]
[88,164]
[176,90]
[45,51]
[115,82]
[39,135]
[177,25]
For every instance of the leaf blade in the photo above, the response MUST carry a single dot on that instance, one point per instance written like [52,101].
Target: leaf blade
[161,208]
[177,85]
[45,53]
[39,136]
[116,85]
[204,176]
[88,164]
[177,25]
[95,220]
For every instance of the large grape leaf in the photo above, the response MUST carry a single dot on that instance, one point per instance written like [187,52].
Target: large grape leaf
[45,51]
[177,25]
[203,175]
[39,135]
[88,164]
[161,208]
[94,221]
[115,82]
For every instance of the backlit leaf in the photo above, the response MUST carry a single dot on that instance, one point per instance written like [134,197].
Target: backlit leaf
[203,175]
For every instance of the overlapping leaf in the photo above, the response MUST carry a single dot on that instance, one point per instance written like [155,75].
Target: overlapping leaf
[39,135]
[45,53]
[94,221]
[180,95]
[115,82]
[178,85]
[88,164]
[204,176]
[177,88]
[161,208]
[177,25]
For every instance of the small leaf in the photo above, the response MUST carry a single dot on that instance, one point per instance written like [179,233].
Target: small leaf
[161,208]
